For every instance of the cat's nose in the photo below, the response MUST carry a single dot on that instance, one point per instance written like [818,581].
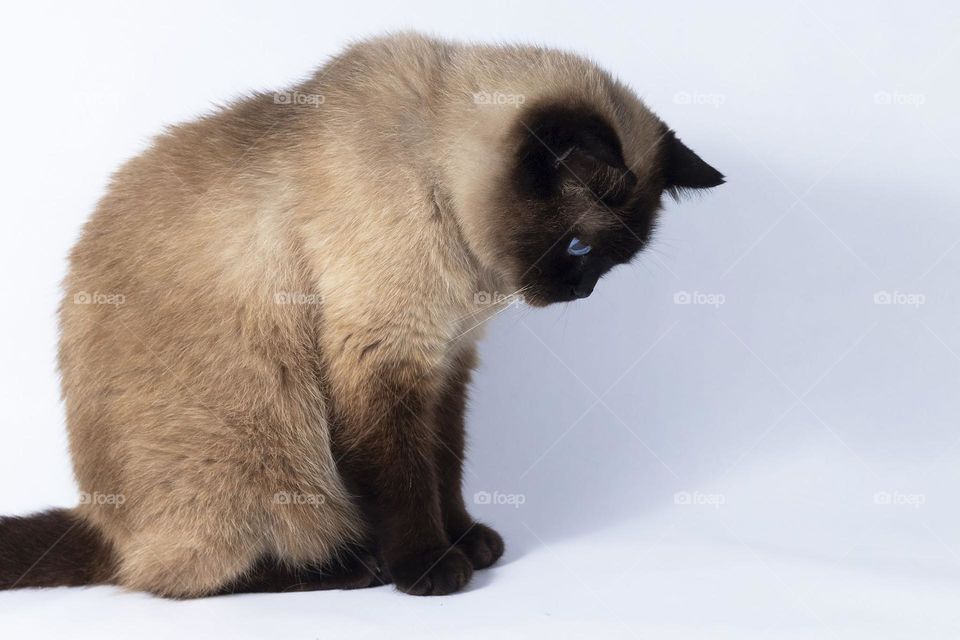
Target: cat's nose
[582,291]
[585,286]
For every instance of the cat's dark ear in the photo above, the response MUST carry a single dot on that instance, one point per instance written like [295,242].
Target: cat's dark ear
[569,144]
[683,169]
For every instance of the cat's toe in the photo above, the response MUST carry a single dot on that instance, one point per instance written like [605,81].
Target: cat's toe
[482,545]
[433,573]
[357,568]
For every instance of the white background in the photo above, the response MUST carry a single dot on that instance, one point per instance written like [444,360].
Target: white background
[814,431]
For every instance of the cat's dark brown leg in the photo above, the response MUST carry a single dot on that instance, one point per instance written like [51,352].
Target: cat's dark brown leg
[385,441]
[483,545]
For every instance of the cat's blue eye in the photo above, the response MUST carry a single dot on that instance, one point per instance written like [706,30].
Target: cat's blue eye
[578,247]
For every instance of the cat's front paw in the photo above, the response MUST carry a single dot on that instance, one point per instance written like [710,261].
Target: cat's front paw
[432,573]
[482,545]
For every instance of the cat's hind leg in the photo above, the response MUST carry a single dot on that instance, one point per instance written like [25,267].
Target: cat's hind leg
[189,564]
[355,568]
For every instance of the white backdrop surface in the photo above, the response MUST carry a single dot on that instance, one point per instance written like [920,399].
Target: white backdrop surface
[775,458]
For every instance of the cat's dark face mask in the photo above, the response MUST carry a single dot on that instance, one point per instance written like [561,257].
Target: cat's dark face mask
[575,209]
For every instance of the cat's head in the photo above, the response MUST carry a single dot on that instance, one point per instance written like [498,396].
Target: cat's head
[578,199]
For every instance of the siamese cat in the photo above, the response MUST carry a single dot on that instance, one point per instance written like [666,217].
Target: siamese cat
[270,321]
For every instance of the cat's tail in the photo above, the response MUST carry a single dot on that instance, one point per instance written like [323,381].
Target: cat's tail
[55,548]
